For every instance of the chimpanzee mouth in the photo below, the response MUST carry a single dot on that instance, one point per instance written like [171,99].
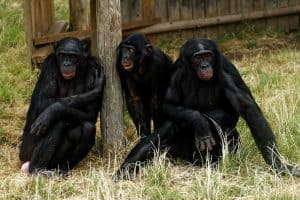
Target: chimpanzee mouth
[68,76]
[128,66]
[206,75]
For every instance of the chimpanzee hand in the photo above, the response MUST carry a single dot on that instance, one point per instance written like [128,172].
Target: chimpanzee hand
[39,127]
[205,142]
[45,119]
[203,137]
[99,83]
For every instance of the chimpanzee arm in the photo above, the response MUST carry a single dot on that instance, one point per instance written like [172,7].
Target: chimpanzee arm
[45,87]
[45,92]
[136,108]
[179,114]
[241,99]
[174,110]
[82,99]
[56,112]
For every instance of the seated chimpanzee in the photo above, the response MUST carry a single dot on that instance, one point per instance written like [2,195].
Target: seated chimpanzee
[203,103]
[60,124]
[145,73]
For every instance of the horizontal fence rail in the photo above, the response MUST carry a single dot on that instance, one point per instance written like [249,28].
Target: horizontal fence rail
[160,16]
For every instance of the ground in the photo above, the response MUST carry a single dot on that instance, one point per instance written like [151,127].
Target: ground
[269,63]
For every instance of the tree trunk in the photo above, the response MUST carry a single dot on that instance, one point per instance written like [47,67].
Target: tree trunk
[107,34]
[79,14]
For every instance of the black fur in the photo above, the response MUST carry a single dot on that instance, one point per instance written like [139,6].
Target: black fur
[145,85]
[60,122]
[203,114]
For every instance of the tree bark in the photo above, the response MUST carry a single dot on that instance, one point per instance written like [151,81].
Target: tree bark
[107,34]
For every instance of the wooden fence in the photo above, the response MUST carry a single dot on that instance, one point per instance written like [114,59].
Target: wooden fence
[203,17]
[155,17]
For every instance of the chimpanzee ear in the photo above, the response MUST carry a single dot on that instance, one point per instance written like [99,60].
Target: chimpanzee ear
[55,45]
[149,49]
[86,43]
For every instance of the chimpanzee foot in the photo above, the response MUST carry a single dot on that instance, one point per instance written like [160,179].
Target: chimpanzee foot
[25,167]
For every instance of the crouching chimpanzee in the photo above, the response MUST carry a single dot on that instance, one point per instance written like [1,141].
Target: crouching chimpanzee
[60,124]
[203,103]
[145,73]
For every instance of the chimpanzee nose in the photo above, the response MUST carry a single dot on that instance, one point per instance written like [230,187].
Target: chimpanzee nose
[204,64]
[125,57]
[67,63]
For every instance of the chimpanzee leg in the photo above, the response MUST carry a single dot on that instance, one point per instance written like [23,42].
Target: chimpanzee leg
[84,144]
[158,119]
[29,142]
[77,143]
[46,148]
[143,151]
[227,123]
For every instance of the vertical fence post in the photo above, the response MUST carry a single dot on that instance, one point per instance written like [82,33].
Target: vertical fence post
[107,32]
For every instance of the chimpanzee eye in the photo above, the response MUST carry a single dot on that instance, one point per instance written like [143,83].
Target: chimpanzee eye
[198,57]
[131,49]
[208,55]
[72,56]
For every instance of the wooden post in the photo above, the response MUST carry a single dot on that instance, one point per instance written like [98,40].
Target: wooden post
[107,37]
[28,29]
[79,14]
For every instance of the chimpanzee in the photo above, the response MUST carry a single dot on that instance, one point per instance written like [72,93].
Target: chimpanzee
[203,103]
[145,72]
[60,124]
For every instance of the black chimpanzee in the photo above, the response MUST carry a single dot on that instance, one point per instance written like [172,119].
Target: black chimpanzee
[60,124]
[203,103]
[145,73]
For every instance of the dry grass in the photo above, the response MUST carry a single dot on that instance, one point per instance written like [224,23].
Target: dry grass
[270,65]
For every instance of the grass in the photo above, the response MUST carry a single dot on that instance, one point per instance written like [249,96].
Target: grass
[269,64]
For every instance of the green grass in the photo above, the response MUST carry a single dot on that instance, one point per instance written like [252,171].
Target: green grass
[269,63]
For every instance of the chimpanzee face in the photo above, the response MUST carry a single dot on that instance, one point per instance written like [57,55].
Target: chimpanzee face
[70,54]
[202,62]
[128,53]
[133,52]
[68,64]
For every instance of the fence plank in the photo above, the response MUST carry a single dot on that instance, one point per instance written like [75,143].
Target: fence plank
[223,7]
[234,6]
[283,4]
[125,11]
[186,13]
[135,10]
[269,6]
[148,7]
[46,15]
[283,22]
[161,10]
[246,6]
[186,9]
[212,11]
[28,29]
[173,10]
[211,8]
[79,15]
[223,10]
[199,12]
[198,9]
[259,5]
[294,19]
